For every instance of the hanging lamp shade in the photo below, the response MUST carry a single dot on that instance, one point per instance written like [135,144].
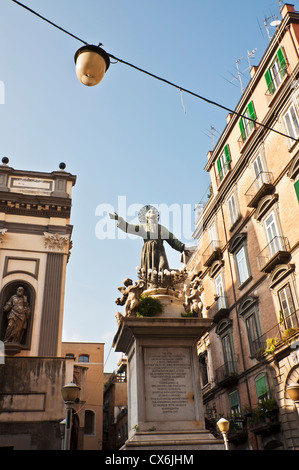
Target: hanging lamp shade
[91,64]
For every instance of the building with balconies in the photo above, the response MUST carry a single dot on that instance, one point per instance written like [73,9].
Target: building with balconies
[248,255]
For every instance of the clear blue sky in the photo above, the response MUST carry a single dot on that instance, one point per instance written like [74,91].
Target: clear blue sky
[131,136]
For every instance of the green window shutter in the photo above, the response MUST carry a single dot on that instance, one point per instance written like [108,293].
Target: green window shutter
[269,81]
[234,399]
[261,387]
[219,168]
[252,115]
[282,62]
[227,155]
[251,111]
[241,125]
[296,186]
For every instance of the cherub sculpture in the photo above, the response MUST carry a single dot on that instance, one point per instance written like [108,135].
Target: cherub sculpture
[130,296]
[193,303]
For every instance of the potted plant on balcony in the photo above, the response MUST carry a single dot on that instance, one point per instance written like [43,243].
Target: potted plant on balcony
[265,413]
[271,409]
[271,345]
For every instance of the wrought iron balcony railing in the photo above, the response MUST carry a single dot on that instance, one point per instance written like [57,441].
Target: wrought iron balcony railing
[261,186]
[276,252]
[211,253]
[219,309]
[227,374]
[276,336]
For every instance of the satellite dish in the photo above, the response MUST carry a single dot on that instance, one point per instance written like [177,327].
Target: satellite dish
[275,23]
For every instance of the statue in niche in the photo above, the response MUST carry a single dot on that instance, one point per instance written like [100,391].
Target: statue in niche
[19,312]
[193,303]
[130,296]
[153,256]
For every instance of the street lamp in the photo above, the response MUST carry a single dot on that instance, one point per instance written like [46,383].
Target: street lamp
[223,426]
[91,64]
[70,393]
[293,392]
[62,432]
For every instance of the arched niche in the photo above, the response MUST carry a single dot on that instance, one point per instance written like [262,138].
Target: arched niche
[264,205]
[7,292]
[247,304]
[224,326]
[236,241]
[279,273]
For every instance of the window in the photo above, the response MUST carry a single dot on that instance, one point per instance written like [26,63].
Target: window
[228,352]
[242,265]
[213,232]
[250,313]
[238,247]
[234,402]
[292,122]
[83,358]
[258,171]
[233,211]
[247,125]
[203,366]
[224,330]
[272,234]
[70,355]
[89,422]
[287,319]
[224,163]
[262,387]
[276,71]
[221,300]
[258,166]
[253,332]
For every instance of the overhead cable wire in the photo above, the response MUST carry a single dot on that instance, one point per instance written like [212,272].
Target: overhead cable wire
[180,88]
[48,21]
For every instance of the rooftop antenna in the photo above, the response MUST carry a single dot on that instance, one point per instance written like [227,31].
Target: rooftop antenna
[211,135]
[251,55]
[267,27]
[260,28]
[239,74]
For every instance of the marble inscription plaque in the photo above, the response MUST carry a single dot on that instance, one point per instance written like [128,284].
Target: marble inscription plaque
[168,384]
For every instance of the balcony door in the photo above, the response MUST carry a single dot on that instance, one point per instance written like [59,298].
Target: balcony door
[258,171]
[272,235]
[220,292]
[287,307]
[228,352]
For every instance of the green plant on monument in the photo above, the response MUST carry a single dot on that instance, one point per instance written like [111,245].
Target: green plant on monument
[149,306]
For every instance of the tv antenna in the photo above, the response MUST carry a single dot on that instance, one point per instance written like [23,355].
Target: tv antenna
[251,55]
[239,74]
[274,24]
[211,135]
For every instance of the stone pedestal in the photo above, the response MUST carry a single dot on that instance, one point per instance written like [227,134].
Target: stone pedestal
[165,409]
